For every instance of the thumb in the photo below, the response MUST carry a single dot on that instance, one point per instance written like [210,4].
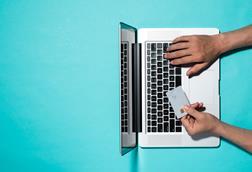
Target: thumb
[191,111]
[195,69]
[185,122]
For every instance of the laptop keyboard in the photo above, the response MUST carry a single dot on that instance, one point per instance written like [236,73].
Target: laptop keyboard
[124,86]
[160,77]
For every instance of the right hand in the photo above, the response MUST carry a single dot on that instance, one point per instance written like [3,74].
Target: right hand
[199,51]
[199,122]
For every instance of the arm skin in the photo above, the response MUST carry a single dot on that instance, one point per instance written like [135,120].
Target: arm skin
[197,122]
[202,50]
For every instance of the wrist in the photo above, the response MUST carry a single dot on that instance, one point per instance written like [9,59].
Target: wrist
[220,43]
[218,128]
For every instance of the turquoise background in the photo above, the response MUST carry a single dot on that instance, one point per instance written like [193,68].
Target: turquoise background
[59,84]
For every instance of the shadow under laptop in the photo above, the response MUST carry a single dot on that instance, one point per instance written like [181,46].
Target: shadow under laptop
[134,160]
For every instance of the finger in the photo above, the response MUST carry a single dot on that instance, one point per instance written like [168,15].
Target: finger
[185,122]
[195,69]
[195,105]
[191,121]
[178,46]
[178,54]
[184,60]
[191,111]
[180,39]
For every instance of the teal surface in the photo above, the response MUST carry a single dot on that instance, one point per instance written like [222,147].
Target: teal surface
[59,85]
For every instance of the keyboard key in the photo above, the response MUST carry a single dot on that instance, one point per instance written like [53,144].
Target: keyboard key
[178,81]
[172,115]
[160,101]
[153,123]
[159,76]
[160,95]
[160,120]
[153,79]
[165,99]
[153,47]
[149,129]
[153,110]
[178,123]
[148,58]
[165,87]
[171,78]
[148,52]
[153,117]
[166,106]
[154,129]
[148,91]
[160,128]
[165,46]
[178,129]
[159,70]
[159,52]
[166,118]
[178,70]
[149,110]
[153,98]
[165,62]
[160,107]
[171,72]
[166,127]
[165,69]
[159,64]
[153,55]
[159,58]
[153,104]
[159,83]
[165,75]
[148,97]
[148,46]
[153,86]
[159,45]
[153,92]
[153,73]
[160,89]
[166,112]
[172,125]
[159,114]
[165,81]
[171,84]
[153,61]
[153,67]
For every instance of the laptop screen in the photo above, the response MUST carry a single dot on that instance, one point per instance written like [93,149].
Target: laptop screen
[128,134]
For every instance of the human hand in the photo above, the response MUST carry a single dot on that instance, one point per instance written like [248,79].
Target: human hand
[199,51]
[199,122]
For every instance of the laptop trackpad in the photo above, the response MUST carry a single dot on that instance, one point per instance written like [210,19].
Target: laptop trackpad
[201,88]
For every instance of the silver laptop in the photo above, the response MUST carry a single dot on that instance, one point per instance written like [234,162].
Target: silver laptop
[146,116]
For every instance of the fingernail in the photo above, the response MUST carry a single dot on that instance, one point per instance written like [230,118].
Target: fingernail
[172,62]
[164,55]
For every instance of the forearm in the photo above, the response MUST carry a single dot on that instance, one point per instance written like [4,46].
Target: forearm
[235,39]
[238,136]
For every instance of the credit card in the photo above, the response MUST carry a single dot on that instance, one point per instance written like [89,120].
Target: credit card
[178,100]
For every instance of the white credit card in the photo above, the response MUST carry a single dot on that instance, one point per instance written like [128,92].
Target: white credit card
[178,100]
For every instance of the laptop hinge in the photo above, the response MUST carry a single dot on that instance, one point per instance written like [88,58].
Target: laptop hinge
[137,108]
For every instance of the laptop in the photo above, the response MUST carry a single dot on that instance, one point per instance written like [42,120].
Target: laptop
[147,118]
